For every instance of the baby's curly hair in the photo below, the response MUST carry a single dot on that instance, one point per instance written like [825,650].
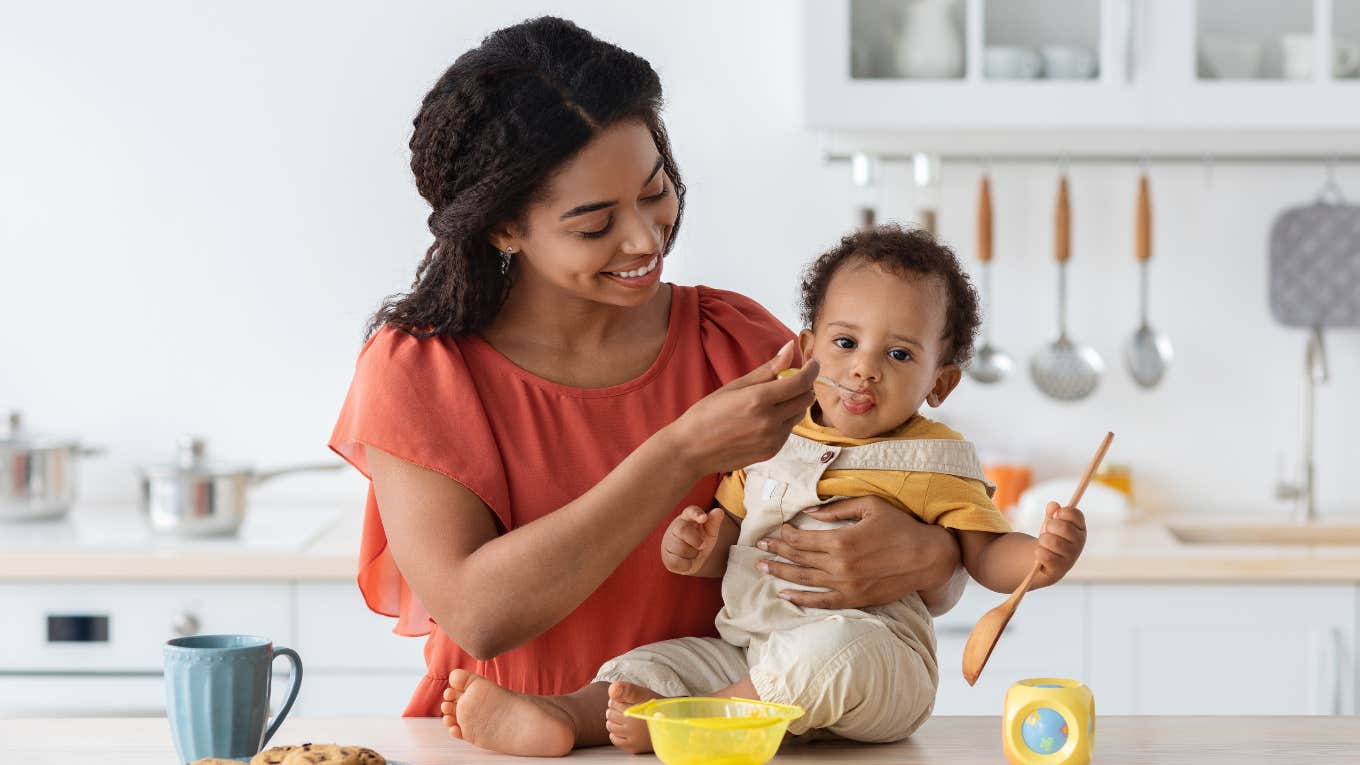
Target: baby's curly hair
[908,252]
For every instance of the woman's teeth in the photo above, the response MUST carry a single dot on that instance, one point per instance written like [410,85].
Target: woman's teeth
[647,269]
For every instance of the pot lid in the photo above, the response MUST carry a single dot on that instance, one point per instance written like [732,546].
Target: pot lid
[15,435]
[192,460]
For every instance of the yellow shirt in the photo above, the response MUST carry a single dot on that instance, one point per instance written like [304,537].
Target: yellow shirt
[936,498]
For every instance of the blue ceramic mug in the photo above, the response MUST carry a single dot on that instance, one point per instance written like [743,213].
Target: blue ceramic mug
[217,694]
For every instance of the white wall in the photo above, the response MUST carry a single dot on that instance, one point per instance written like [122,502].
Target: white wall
[200,205]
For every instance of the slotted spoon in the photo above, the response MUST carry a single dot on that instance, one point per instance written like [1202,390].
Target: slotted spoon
[1063,369]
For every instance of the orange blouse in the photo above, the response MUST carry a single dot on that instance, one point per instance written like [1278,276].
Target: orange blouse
[527,446]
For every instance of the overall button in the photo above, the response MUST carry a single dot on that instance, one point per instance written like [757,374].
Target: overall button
[827,456]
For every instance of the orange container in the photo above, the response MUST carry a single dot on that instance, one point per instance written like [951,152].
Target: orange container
[1011,481]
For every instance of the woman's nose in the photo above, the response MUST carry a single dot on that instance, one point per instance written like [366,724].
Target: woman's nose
[641,234]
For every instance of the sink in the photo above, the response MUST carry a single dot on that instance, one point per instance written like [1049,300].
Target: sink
[1202,533]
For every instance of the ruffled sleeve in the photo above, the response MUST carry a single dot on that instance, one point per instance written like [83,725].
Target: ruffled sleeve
[413,398]
[737,333]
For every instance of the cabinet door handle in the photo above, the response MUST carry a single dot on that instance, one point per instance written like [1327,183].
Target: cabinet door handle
[1336,639]
[186,624]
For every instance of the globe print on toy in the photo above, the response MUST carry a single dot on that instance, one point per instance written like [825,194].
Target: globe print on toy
[1044,731]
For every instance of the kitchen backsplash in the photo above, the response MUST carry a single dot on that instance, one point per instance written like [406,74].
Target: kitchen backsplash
[240,217]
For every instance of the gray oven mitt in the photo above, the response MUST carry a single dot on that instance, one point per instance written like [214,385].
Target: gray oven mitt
[1315,266]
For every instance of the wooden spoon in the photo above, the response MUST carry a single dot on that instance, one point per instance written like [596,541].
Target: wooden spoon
[983,638]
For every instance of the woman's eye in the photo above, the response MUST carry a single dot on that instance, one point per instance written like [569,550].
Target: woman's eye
[899,354]
[658,195]
[599,232]
[843,342]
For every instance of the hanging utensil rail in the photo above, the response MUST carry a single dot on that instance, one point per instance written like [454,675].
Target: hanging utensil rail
[1229,158]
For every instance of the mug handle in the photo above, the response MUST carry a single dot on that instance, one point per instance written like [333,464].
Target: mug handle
[294,684]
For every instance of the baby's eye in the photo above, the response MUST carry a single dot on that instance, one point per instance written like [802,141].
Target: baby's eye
[843,342]
[900,354]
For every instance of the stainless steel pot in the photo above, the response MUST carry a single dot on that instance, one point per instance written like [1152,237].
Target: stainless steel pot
[195,497]
[37,473]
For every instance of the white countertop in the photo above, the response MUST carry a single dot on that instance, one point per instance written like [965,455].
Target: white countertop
[311,544]
[941,741]
[114,543]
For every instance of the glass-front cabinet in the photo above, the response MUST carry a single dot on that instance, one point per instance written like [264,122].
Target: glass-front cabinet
[1178,65]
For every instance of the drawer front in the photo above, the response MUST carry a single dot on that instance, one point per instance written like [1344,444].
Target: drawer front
[100,696]
[337,631]
[356,694]
[122,627]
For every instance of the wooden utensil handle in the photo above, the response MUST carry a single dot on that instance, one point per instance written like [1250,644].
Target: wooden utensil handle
[1062,225]
[1143,234]
[1091,470]
[984,221]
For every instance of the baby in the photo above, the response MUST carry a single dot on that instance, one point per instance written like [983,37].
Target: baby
[890,317]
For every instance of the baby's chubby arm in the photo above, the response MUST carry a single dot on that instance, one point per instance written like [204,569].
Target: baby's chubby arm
[696,542]
[1000,562]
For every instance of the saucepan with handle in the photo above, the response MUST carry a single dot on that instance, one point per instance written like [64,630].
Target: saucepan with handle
[37,472]
[197,497]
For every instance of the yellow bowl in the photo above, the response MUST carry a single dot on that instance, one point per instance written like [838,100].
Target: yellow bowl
[695,731]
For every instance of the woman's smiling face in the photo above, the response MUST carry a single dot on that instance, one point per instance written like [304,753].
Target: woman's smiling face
[603,222]
[880,333]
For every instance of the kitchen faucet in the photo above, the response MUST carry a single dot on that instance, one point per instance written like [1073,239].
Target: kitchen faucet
[1314,373]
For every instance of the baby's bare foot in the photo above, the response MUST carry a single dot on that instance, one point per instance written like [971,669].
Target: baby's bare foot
[628,733]
[484,714]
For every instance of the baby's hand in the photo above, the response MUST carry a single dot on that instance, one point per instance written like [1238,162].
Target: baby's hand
[1060,543]
[690,539]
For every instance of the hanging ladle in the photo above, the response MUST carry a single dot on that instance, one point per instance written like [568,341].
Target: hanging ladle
[983,638]
[1148,352]
[991,364]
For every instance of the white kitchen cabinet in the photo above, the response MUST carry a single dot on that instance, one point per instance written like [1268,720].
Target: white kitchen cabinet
[336,630]
[355,666]
[1045,638]
[122,626]
[1223,649]
[357,694]
[98,695]
[1157,69]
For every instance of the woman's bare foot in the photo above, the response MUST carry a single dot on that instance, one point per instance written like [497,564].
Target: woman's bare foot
[484,714]
[628,733]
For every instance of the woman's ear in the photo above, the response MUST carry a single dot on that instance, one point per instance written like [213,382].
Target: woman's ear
[805,340]
[503,239]
[945,381]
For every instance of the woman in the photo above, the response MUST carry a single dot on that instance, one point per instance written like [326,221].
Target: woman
[540,405]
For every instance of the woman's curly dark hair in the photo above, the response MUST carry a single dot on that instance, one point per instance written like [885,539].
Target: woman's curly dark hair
[909,253]
[489,136]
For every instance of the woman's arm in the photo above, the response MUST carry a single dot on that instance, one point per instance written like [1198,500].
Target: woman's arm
[885,556]
[493,592]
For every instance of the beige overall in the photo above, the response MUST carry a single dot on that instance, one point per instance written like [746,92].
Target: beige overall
[862,674]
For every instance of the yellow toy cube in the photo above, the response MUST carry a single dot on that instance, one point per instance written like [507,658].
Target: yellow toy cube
[1049,721]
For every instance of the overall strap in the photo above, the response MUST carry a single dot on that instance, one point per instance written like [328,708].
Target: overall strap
[927,455]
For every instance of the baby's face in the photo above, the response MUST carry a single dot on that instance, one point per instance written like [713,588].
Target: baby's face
[880,333]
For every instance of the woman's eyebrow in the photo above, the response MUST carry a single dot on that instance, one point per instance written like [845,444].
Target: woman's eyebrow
[591,207]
